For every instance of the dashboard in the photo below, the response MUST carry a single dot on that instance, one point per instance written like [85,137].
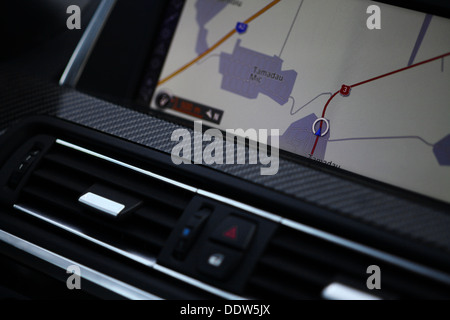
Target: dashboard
[226,149]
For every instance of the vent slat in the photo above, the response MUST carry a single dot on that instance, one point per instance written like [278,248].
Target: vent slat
[279,288]
[296,269]
[124,178]
[64,175]
[158,215]
[154,213]
[138,231]
[305,264]
[320,252]
[71,182]
[63,198]
[300,266]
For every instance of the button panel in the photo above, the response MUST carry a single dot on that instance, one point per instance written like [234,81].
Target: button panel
[220,249]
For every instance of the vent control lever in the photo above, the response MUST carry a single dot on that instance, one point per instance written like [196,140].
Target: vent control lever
[112,202]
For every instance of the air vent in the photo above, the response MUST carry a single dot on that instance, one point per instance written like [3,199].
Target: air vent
[64,174]
[300,266]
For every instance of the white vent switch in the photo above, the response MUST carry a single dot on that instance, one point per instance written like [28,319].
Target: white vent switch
[102,204]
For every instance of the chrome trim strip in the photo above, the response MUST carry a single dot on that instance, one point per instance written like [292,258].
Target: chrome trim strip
[404,263]
[147,261]
[378,254]
[197,283]
[84,47]
[128,166]
[102,204]
[107,282]
[339,291]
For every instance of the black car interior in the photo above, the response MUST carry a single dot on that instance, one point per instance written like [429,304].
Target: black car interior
[88,177]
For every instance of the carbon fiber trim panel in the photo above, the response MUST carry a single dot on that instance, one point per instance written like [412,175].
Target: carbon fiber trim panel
[22,95]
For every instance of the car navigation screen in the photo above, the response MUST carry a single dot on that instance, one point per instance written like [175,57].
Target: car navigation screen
[358,85]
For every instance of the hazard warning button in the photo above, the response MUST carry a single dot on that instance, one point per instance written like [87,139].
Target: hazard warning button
[235,232]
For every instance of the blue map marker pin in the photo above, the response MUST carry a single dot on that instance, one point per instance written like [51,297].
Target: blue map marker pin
[241,27]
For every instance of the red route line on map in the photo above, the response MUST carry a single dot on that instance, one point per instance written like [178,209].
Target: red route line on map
[373,79]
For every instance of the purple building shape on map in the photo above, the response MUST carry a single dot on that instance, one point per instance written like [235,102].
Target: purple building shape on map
[206,10]
[248,73]
[442,151]
[299,138]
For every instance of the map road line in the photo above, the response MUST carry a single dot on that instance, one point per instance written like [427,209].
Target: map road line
[423,31]
[215,46]
[292,26]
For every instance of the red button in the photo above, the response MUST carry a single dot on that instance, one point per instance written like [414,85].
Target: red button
[235,232]
[231,233]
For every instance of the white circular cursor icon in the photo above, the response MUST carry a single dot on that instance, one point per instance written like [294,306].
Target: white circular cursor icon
[321,131]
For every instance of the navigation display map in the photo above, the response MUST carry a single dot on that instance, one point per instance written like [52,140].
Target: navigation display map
[375,102]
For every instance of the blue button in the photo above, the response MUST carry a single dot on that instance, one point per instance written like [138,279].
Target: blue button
[186,232]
